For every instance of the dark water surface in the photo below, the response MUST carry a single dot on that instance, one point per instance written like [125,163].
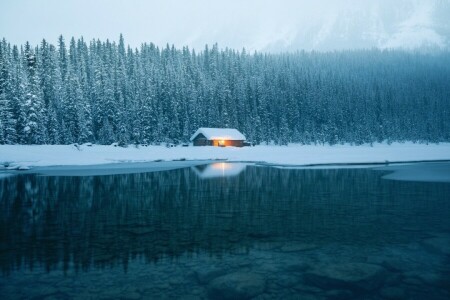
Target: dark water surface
[196,233]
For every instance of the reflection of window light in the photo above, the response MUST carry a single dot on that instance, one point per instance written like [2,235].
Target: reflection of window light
[219,169]
[221,166]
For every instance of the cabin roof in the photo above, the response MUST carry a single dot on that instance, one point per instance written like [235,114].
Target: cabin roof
[229,134]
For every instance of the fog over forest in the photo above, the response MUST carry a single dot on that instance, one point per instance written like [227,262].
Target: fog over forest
[265,26]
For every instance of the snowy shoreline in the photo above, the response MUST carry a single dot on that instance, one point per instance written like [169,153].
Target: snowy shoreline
[29,156]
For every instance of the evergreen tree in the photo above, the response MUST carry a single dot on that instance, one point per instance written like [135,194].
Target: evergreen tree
[7,121]
[33,107]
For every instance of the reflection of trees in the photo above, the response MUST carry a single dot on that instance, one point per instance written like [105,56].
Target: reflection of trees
[85,221]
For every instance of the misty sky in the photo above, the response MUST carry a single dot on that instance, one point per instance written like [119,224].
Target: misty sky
[276,25]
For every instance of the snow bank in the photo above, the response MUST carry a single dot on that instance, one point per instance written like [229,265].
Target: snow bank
[51,155]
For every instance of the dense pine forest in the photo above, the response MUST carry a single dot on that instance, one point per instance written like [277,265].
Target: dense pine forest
[105,92]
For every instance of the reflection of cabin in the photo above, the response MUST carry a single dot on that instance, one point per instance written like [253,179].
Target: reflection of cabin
[218,137]
[220,169]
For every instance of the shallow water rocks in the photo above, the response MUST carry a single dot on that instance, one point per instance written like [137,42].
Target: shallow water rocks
[132,296]
[438,244]
[286,280]
[339,294]
[48,291]
[207,274]
[296,267]
[297,247]
[347,276]
[237,285]
[393,293]
[425,277]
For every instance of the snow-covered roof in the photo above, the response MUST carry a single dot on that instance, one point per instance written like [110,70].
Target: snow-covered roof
[220,134]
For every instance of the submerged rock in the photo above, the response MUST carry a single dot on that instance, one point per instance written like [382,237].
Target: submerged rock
[207,274]
[286,280]
[393,293]
[296,267]
[339,294]
[47,291]
[237,285]
[297,247]
[423,277]
[439,245]
[347,276]
[131,296]
[301,287]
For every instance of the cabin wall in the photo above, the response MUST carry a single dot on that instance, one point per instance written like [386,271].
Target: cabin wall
[202,142]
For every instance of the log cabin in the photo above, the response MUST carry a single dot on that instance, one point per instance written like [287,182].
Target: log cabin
[219,137]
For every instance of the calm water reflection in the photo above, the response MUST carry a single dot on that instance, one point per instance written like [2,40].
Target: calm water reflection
[196,232]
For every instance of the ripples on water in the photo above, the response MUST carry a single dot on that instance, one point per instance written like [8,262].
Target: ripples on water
[224,231]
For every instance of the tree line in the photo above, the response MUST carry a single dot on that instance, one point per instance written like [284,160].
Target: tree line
[105,92]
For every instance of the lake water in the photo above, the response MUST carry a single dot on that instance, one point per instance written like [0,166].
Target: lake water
[225,231]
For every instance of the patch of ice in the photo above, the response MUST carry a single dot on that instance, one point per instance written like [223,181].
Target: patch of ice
[5,175]
[424,172]
[114,169]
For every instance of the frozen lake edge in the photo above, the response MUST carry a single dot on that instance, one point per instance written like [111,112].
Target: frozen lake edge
[58,160]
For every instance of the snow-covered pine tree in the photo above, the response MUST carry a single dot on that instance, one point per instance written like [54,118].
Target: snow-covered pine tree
[8,133]
[34,128]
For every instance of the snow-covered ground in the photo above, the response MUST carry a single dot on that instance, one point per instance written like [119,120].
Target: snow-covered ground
[51,155]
